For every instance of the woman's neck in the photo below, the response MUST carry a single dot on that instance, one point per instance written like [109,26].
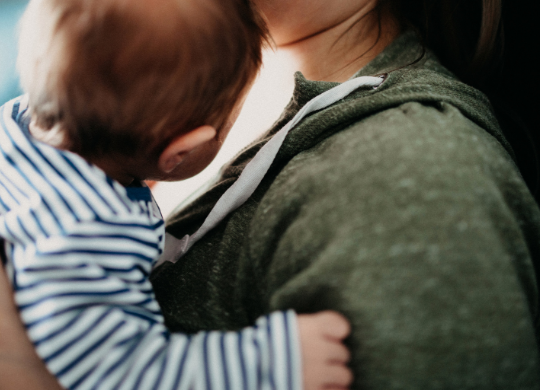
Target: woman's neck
[337,53]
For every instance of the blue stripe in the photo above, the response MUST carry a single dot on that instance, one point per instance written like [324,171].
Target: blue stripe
[6,179]
[147,366]
[135,269]
[53,187]
[271,353]
[66,179]
[149,316]
[86,306]
[206,363]
[25,177]
[96,252]
[87,352]
[289,352]
[112,183]
[89,279]
[11,234]
[153,227]
[38,222]
[96,191]
[23,228]
[4,206]
[73,294]
[242,362]
[224,361]
[15,114]
[149,244]
[15,108]
[16,200]
[62,280]
[58,331]
[134,341]
[164,363]
[258,363]
[180,371]
[99,320]
[56,268]
[59,194]
[139,193]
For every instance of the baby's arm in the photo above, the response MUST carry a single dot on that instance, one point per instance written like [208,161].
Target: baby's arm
[323,355]
[94,321]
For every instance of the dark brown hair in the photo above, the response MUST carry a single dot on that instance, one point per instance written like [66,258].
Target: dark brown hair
[467,35]
[126,77]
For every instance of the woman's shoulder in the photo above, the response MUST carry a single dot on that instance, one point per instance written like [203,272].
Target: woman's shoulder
[415,140]
[419,117]
[426,84]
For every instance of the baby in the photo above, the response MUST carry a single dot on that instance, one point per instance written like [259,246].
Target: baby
[120,91]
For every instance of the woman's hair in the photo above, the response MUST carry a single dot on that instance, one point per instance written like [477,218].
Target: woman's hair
[126,77]
[487,44]
[467,35]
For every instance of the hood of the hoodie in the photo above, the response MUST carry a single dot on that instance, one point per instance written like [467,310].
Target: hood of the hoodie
[427,82]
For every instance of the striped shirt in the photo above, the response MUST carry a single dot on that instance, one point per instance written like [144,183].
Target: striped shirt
[80,248]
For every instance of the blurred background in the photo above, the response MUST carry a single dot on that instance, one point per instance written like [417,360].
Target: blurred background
[10,12]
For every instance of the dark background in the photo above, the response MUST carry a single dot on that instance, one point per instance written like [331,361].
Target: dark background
[518,95]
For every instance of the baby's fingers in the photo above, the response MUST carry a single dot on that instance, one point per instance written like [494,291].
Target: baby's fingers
[338,377]
[333,325]
[337,353]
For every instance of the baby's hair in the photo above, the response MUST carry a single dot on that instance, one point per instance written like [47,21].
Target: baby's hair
[128,76]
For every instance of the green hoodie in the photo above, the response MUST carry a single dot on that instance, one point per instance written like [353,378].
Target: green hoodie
[400,207]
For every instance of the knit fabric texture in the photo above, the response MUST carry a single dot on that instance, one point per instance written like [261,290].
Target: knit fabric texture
[400,207]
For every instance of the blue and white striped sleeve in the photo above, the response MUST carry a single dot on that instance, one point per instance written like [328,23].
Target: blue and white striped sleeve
[91,313]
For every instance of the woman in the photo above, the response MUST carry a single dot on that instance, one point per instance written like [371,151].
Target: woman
[399,206]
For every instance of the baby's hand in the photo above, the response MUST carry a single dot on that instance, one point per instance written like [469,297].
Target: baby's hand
[324,356]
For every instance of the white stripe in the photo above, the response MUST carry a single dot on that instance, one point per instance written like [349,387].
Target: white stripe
[91,244]
[176,348]
[97,356]
[251,358]
[97,178]
[296,356]
[79,328]
[150,377]
[215,362]
[49,307]
[140,358]
[47,328]
[235,370]
[279,359]
[120,262]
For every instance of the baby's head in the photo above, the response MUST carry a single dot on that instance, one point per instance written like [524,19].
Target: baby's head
[127,77]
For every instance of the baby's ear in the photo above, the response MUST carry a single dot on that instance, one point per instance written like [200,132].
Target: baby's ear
[183,144]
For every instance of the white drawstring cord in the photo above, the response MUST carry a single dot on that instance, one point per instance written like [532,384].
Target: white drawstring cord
[255,170]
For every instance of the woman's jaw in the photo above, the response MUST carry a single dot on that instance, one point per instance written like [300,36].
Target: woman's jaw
[329,40]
